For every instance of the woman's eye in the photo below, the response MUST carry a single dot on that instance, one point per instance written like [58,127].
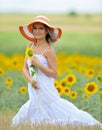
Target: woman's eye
[41,28]
[35,28]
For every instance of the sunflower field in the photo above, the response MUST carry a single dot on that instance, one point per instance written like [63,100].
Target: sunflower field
[79,81]
[79,59]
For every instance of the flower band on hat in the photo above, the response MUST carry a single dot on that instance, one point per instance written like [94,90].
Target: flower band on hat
[53,33]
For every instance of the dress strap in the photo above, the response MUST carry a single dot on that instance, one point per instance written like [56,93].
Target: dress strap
[32,45]
[44,50]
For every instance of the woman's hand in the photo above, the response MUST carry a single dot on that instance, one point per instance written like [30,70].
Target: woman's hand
[34,83]
[35,61]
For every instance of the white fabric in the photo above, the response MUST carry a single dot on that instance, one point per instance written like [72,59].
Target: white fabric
[46,106]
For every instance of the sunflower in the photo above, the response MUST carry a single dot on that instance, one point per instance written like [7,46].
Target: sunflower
[60,90]
[15,61]
[29,53]
[56,83]
[23,90]
[80,90]
[14,64]
[8,81]
[86,96]
[66,90]
[70,79]
[2,72]
[90,73]
[91,88]
[73,95]
[63,82]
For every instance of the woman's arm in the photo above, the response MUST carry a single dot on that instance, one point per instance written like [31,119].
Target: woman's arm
[25,67]
[27,74]
[51,58]
[25,71]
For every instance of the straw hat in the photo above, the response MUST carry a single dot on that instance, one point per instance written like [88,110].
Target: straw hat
[27,32]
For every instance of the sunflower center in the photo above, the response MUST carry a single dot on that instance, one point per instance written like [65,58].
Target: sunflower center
[63,84]
[55,84]
[15,62]
[59,90]
[70,79]
[30,53]
[73,94]
[90,72]
[66,90]
[90,88]
[9,80]
[23,90]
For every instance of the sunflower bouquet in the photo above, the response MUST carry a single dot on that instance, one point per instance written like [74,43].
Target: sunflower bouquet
[34,69]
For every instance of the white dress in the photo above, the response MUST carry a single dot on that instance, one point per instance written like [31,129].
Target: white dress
[46,106]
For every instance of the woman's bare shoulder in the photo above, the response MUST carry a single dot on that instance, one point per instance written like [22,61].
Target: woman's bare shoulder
[50,52]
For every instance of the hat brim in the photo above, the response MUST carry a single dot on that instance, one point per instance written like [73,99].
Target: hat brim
[26,31]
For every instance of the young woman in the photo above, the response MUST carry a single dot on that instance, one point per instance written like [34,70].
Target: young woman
[44,104]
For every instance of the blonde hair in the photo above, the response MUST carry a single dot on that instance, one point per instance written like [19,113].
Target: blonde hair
[50,37]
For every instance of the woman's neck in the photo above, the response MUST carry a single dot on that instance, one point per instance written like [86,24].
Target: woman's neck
[41,43]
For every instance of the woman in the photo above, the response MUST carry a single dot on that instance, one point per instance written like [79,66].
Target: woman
[44,104]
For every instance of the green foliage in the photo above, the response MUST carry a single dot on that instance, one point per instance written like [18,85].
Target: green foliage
[72,13]
[80,34]
[10,97]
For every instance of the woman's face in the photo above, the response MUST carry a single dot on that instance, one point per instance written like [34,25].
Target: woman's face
[39,31]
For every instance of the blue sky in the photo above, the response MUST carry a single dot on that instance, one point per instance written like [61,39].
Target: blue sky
[51,6]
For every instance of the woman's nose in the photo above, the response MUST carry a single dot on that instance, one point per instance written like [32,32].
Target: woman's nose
[37,30]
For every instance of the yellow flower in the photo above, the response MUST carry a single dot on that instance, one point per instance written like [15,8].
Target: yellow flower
[8,81]
[63,82]
[86,96]
[70,79]
[90,72]
[56,83]
[67,90]
[73,95]
[23,90]
[80,90]
[29,53]
[91,88]
[15,61]
[1,72]
[60,90]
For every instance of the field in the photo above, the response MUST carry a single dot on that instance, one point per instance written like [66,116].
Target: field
[81,34]
[79,57]
[6,120]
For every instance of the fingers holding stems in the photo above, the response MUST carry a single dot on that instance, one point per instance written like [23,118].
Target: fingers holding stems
[34,84]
